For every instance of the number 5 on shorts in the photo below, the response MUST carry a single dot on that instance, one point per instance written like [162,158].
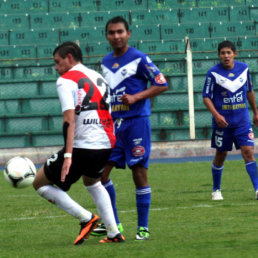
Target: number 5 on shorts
[218,141]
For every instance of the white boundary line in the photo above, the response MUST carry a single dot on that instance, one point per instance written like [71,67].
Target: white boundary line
[128,211]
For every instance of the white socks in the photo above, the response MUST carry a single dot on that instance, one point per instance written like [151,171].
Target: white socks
[62,200]
[103,203]
[100,196]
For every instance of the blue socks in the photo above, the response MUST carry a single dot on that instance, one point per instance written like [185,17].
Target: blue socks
[216,176]
[112,193]
[251,168]
[143,200]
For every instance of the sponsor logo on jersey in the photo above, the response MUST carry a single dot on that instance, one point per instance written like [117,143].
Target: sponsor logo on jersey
[137,141]
[234,107]
[138,151]
[160,79]
[116,97]
[235,99]
[152,70]
[220,133]
[115,66]
[208,85]
[96,121]
[120,107]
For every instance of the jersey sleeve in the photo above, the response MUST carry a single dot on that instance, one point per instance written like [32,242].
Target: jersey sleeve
[249,81]
[152,72]
[65,94]
[208,86]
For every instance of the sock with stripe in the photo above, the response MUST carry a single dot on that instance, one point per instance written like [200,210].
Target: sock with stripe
[143,200]
[112,194]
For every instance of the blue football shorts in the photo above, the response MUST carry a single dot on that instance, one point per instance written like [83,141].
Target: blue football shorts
[133,142]
[223,138]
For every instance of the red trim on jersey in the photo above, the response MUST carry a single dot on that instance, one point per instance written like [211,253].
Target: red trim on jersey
[104,115]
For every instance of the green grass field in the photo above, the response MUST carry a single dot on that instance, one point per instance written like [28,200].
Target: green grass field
[184,222]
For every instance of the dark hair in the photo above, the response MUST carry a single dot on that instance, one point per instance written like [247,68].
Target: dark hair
[69,47]
[117,19]
[228,44]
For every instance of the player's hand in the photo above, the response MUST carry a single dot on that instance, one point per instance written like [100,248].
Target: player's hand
[221,121]
[255,119]
[65,168]
[128,99]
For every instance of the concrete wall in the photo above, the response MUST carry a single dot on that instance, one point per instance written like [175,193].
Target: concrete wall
[160,150]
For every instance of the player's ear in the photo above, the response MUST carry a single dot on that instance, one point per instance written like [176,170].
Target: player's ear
[70,58]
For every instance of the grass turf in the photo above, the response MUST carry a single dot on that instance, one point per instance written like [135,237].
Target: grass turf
[183,222]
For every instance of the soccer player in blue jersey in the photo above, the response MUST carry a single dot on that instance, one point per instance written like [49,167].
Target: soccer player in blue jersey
[128,72]
[226,91]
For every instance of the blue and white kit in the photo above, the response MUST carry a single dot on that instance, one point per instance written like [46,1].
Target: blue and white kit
[228,90]
[130,74]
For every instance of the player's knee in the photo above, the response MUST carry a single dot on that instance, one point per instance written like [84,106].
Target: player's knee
[219,158]
[248,154]
[106,172]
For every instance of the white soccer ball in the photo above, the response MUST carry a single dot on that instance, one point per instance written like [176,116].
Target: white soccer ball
[20,172]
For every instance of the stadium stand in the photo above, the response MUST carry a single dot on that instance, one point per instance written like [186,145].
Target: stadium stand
[140,17]
[203,14]
[30,113]
[14,21]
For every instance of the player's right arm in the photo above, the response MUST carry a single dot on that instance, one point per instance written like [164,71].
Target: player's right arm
[207,100]
[220,120]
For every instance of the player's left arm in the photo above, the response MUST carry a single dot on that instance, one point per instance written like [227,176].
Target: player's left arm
[150,92]
[252,102]
[68,130]
[157,80]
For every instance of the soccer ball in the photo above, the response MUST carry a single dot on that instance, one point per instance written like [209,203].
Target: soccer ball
[20,172]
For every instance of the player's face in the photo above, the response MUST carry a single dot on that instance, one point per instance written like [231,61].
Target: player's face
[118,36]
[227,57]
[62,65]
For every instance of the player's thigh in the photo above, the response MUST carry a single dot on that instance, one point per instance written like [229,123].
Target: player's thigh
[117,156]
[91,162]
[138,143]
[53,168]
[40,179]
[244,136]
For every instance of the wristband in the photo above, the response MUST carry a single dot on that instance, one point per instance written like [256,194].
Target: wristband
[67,155]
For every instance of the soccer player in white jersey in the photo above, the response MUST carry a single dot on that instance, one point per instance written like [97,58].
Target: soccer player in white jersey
[226,93]
[128,72]
[88,140]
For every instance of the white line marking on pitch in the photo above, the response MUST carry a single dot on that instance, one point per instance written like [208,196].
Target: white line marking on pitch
[127,211]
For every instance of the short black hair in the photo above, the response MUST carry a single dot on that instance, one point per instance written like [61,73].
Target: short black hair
[69,47]
[228,44]
[117,19]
